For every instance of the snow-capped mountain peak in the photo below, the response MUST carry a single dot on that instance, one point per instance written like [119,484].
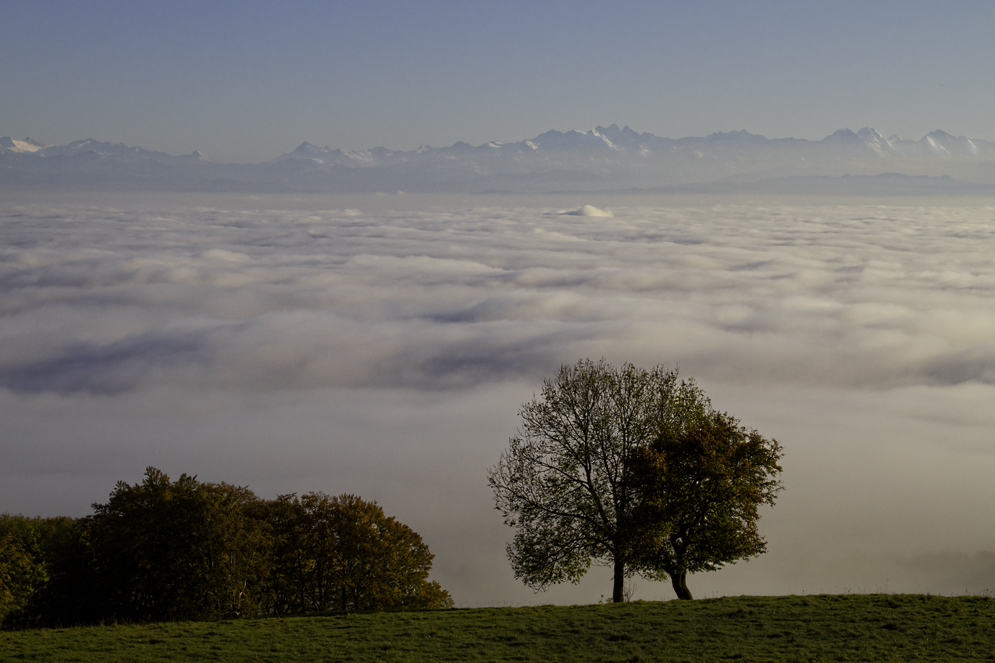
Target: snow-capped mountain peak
[842,137]
[307,148]
[875,141]
[942,142]
[26,146]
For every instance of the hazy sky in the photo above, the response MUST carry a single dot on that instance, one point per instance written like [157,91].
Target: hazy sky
[383,345]
[248,80]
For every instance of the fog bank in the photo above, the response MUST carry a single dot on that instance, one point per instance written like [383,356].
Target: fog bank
[382,346]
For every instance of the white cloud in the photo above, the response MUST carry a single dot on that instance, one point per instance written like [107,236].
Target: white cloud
[385,352]
[587,210]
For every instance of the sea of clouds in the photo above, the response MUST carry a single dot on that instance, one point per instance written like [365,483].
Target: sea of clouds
[383,345]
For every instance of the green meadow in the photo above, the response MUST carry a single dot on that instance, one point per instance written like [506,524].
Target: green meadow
[792,628]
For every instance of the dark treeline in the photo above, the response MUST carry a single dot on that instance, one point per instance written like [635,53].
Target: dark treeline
[186,550]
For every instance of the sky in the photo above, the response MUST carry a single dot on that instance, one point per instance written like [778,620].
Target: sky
[383,345]
[247,81]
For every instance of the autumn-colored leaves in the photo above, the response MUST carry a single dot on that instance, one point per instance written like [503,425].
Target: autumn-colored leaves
[178,550]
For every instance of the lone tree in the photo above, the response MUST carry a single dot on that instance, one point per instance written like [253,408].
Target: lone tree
[590,479]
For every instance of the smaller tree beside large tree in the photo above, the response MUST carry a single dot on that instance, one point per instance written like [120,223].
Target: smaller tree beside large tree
[705,479]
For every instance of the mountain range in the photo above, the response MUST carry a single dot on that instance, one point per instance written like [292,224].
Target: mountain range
[602,159]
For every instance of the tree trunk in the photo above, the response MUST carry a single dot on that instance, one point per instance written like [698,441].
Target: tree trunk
[619,582]
[679,581]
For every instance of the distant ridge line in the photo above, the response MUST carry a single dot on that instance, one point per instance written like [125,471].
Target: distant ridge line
[603,158]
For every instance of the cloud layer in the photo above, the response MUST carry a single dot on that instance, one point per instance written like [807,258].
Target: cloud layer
[385,352]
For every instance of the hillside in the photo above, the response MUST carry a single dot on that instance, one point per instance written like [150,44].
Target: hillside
[791,628]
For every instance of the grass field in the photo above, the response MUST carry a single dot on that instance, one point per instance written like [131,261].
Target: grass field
[794,628]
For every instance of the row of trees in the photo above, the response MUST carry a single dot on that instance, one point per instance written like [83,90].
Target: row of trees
[171,550]
[634,469]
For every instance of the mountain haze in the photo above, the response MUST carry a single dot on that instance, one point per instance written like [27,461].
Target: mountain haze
[604,158]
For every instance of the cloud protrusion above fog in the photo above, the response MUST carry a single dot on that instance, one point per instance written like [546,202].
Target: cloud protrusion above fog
[588,210]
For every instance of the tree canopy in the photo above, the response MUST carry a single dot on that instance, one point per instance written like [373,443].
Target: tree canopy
[185,549]
[21,569]
[179,549]
[602,470]
[343,553]
[701,486]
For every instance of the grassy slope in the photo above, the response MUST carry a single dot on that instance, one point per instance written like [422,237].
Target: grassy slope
[795,628]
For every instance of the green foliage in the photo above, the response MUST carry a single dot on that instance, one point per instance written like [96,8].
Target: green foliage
[68,595]
[166,550]
[178,550]
[382,564]
[342,553]
[22,568]
[297,580]
[565,484]
[790,628]
[705,477]
[633,469]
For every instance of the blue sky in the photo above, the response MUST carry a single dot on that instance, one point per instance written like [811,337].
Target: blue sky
[246,81]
